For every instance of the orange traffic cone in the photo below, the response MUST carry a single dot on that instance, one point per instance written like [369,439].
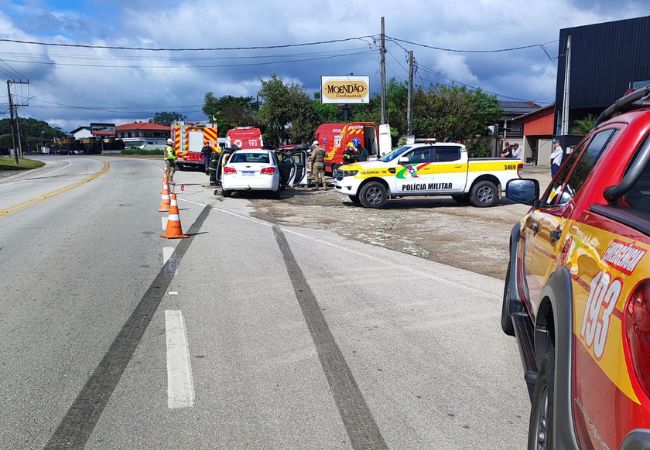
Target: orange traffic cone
[164,198]
[174,229]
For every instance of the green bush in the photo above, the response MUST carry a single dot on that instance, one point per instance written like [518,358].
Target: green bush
[139,151]
[479,148]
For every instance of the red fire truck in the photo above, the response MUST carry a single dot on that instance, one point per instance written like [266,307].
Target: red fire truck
[244,138]
[334,138]
[189,138]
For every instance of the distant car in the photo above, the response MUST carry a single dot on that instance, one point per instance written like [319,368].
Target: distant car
[251,170]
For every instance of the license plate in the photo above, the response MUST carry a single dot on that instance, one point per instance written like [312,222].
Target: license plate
[248,172]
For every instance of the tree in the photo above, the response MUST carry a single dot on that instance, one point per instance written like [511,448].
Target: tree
[583,126]
[166,118]
[453,113]
[326,112]
[286,112]
[229,111]
[32,132]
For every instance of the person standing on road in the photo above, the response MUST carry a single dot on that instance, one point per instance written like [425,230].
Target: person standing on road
[317,158]
[206,152]
[310,161]
[556,157]
[170,161]
[362,153]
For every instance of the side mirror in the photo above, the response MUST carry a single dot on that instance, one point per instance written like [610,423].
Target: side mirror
[404,159]
[523,190]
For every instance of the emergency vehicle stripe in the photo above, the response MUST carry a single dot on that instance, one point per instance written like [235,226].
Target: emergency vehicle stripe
[177,139]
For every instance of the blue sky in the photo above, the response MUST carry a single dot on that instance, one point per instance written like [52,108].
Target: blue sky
[74,86]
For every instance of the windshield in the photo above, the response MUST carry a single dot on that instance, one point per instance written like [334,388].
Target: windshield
[395,153]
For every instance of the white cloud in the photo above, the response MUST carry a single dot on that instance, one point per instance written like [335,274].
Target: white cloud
[127,93]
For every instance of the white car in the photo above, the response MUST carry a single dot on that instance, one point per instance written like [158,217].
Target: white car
[251,170]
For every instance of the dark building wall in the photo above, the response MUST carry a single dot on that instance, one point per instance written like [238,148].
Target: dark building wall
[605,59]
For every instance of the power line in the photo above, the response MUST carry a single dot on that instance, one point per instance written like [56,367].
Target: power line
[95,57]
[198,49]
[186,66]
[456,50]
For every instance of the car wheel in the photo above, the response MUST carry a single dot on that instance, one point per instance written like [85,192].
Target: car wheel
[540,428]
[506,321]
[484,194]
[277,193]
[373,195]
[226,193]
[355,199]
[461,198]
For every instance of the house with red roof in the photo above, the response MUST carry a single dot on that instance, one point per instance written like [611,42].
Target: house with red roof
[145,135]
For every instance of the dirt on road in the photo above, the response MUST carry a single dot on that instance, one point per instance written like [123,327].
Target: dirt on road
[435,228]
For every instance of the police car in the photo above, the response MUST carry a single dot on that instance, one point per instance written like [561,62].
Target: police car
[427,169]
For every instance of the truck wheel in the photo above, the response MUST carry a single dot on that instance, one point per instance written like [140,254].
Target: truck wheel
[484,194]
[226,193]
[540,428]
[506,322]
[355,199]
[373,195]
[463,199]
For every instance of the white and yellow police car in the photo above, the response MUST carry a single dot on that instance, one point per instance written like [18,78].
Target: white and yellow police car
[427,170]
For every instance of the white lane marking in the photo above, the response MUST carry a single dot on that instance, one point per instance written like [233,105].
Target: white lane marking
[180,385]
[167,253]
[173,292]
[163,221]
[356,252]
[194,203]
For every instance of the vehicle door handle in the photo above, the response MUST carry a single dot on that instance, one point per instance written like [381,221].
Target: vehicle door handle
[458,167]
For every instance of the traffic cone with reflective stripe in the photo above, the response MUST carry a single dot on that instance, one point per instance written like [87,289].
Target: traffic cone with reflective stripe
[174,229]
[164,198]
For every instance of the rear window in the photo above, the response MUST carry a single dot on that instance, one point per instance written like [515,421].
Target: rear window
[250,158]
[446,154]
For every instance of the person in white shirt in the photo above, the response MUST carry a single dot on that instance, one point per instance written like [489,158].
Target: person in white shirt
[556,157]
[517,152]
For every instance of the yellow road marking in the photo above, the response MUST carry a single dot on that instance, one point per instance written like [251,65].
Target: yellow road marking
[42,198]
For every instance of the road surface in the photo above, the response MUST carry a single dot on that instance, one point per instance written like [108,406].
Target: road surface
[246,335]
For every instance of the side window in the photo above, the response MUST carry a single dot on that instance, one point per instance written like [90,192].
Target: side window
[563,190]
[419,155]
[638,197]
[446,154]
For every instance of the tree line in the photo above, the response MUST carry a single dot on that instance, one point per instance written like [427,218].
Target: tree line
[286,113]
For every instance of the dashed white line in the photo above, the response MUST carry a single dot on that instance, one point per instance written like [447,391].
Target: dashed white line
[180,385]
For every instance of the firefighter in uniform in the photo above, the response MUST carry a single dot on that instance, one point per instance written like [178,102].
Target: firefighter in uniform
[318,166]
[170,160]
[350,154]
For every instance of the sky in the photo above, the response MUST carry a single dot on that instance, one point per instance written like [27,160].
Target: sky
[73,86]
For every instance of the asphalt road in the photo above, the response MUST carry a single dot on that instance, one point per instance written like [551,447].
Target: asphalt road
[246,335]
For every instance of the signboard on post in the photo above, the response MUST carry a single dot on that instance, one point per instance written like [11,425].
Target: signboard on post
[102,129]
[347,89]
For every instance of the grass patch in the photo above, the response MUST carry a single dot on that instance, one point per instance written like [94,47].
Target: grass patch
[7,163]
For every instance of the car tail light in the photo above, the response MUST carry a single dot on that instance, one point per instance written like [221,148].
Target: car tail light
[229,170]
[637,330]
[520,167]
[268,171]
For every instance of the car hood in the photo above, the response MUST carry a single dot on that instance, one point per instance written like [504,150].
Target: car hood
[364,165]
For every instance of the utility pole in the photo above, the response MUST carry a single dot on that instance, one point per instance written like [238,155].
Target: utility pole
[409,102]
[382,61]
[11,116]
[564,128]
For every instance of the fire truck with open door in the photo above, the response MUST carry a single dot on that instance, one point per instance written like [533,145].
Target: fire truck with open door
[189,138]
[334,138]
